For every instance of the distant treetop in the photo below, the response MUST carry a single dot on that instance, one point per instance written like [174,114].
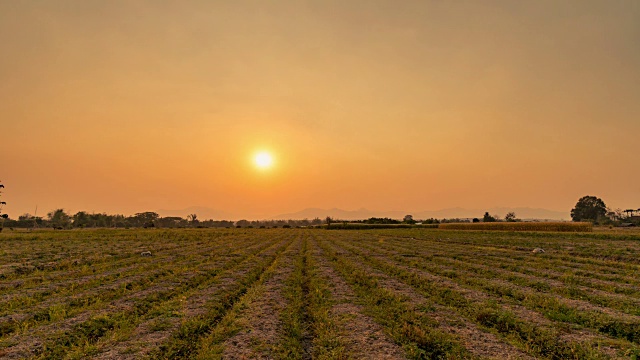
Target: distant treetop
[589,208]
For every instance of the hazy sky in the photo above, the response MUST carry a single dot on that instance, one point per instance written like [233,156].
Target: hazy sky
[126,106]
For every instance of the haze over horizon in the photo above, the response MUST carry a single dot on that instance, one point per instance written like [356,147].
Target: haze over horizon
[123,107]
[362,213]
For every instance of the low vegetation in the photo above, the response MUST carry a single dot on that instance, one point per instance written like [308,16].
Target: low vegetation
[521,226]
[362,226]
[402,292]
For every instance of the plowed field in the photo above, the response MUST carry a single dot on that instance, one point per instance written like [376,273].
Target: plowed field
[318,294]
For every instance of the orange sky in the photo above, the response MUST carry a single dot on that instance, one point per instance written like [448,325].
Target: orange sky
[127,106]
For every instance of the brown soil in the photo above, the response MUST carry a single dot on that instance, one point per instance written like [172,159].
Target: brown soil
[142,341]
[473,338]
[30,342]
[260,321]
[145,339]
[363,337]
[523,313]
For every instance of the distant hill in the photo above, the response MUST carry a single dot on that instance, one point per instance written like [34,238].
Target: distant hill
[204,213]
[521,213]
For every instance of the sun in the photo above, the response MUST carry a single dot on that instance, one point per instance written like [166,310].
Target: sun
[263,160]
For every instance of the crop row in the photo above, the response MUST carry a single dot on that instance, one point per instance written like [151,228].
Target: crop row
[110,277]
[626,299]
[313,294]
[71,300]
[171,280]
[443,286]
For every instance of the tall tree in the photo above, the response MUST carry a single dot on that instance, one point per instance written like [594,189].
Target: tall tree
[193,219]
[589,208]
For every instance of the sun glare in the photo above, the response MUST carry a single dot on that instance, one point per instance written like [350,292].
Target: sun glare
[263,160]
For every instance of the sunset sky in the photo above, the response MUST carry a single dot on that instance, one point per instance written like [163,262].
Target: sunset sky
[129,106]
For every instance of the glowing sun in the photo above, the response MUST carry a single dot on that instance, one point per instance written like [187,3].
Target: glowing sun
[263,160]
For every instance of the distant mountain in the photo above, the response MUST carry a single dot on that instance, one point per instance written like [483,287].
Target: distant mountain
[204,213]
[521,213]
[336,213]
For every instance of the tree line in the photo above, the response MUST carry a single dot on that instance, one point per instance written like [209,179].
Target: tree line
[588,208]
[60,219]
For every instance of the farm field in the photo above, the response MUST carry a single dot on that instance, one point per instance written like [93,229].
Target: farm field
[319,294]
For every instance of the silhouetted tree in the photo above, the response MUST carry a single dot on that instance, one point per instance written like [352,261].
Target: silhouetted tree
[193,219]
[146,219]
[488,218]
[243,223]
[2,216]
[328,220]
[408,219]
[589,208]
[510,217]
[81,219]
